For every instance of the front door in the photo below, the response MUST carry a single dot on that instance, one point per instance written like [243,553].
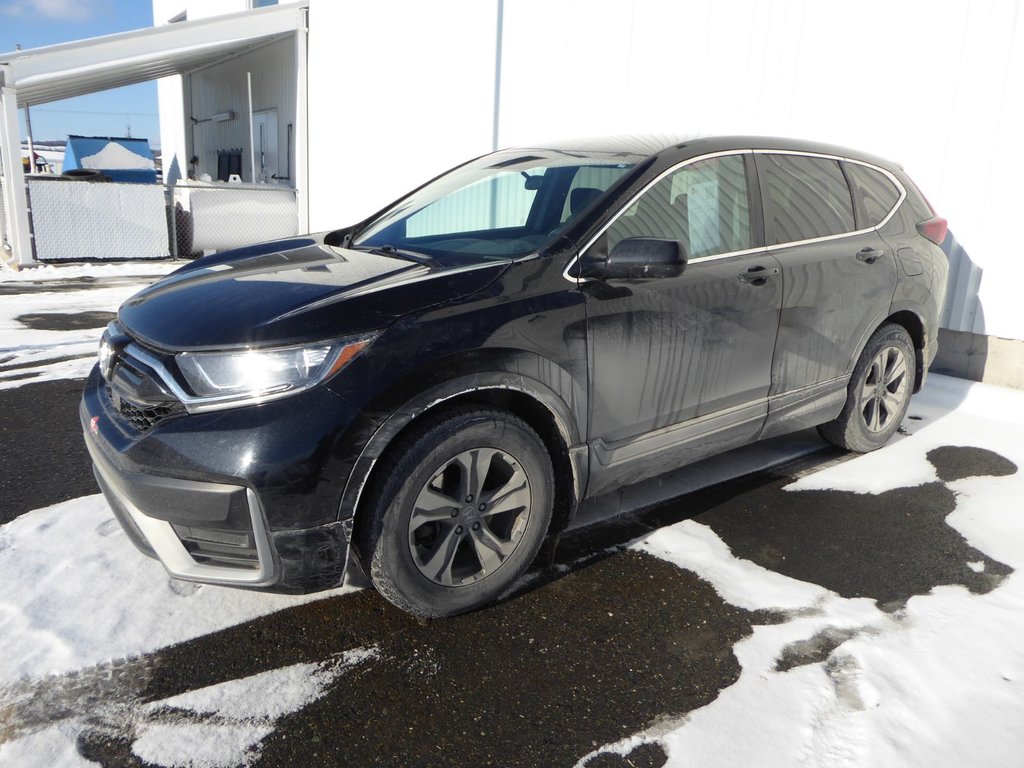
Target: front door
[681,366]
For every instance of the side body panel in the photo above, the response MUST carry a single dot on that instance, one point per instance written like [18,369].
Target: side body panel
[923,268]
[837,290]
[680,367]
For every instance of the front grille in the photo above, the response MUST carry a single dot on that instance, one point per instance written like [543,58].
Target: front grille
[137,392]
[144,418]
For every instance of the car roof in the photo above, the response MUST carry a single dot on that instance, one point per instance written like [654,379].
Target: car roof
[690,145]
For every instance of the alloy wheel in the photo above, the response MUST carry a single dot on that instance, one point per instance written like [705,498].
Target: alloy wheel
[884,391]
[470,516]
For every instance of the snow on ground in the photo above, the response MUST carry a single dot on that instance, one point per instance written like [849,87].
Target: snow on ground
[239,714]
[77,593]
[30,355]
[52,354]
[939,683]
[45,272]
[220,726]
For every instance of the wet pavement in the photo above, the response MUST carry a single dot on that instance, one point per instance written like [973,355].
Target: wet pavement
[42,457]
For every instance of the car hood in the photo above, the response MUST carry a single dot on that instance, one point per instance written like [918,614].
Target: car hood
[291,291]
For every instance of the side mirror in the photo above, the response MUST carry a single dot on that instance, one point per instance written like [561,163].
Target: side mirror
[642,258]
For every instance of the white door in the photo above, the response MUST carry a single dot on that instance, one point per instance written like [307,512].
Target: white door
[264,133]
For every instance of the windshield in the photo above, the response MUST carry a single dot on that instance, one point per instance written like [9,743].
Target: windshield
[500,206]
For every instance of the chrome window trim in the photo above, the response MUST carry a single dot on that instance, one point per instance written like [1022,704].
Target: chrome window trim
[637,196]
[761,249]
[892,211]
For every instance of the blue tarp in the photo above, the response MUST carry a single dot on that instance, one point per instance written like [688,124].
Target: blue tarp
[120,159]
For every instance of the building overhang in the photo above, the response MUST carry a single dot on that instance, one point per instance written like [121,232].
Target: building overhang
[63,71]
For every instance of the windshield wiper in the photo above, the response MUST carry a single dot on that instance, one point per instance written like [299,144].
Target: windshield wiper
[390,250]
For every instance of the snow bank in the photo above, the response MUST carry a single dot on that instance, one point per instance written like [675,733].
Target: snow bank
[115,157]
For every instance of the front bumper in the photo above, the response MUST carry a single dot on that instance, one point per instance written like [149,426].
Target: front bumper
[273,525]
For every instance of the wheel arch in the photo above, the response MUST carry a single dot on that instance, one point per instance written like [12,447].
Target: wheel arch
[533,401]
[912,323]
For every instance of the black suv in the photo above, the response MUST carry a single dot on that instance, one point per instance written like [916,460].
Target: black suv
[432,391]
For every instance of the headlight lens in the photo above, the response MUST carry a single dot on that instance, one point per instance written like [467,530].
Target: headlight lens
[265,373]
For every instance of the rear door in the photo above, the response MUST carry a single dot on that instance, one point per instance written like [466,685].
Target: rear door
[838,281]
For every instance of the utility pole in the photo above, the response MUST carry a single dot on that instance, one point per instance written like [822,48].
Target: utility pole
[28,130]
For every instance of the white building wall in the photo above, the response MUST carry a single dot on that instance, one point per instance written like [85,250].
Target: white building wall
[934,85]
[399,91]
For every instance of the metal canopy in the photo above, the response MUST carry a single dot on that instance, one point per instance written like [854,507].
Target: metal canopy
[57,72]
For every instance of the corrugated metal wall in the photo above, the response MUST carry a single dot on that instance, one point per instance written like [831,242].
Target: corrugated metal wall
[223,88]
[935,85]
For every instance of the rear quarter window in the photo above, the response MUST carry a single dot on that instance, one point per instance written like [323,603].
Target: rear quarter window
[805,197]
[878,195]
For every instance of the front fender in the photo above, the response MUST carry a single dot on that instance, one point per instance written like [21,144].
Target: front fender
[438,394]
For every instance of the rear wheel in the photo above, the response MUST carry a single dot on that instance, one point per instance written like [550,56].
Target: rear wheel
[460,510]
[878,394]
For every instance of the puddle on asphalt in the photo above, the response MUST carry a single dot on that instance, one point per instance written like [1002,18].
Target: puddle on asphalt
[66,321]
[888,546]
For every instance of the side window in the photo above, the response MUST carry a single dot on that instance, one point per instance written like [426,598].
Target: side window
[703,205]
[807,197]
[494,203]
[877,193]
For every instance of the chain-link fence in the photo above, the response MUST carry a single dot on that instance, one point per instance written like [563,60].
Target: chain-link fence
[206,217]
[97,220]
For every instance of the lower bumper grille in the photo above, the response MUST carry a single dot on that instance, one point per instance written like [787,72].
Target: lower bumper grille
[145,418]
[211,546]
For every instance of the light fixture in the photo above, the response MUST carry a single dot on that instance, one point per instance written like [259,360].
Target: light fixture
[220,117]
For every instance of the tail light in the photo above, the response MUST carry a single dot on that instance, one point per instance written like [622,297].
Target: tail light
[933,229]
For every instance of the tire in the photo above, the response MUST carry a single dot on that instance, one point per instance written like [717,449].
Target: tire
[879,392]
[431,544]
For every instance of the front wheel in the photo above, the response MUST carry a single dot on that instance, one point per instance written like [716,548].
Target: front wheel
[878,394]
[459,511]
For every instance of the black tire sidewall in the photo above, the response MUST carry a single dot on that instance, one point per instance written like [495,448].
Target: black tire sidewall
[392,568]
[849,430]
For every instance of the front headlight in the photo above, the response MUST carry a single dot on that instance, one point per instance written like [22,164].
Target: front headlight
[254,375]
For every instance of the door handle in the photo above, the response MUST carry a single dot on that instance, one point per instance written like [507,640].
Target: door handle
[869,255]
[758,275]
